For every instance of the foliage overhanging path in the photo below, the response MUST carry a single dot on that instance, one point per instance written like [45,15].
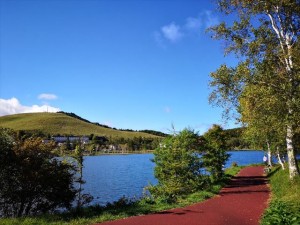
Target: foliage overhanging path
[243,201]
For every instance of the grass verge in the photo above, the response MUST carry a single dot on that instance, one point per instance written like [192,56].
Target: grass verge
[284,208]
[120,209]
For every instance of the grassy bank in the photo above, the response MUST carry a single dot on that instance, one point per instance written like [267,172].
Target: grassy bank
[120,209]
[284,208]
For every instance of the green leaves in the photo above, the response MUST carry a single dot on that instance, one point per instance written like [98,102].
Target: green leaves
[263,90]
[215,155]
[181,162]
[32,180]
[280,213]
[227,85]
[178,166]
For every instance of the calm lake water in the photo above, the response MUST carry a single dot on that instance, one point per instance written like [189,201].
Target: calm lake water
[110,177]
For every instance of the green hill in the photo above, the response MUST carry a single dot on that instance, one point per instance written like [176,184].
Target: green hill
[63,124]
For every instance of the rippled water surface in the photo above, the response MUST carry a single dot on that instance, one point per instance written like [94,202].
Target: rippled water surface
[109,177]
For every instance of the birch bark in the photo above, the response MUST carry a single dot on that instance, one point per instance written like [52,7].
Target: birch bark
[269,154]
[285,38]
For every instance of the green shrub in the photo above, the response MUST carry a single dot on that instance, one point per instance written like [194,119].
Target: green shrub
[215,155]
[178,167]
[121,203]
[32,180]
[281,213]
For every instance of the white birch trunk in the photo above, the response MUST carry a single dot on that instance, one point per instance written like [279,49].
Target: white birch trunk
[269,154]
[280,162]
[292,162]
[279,159]
[285,38]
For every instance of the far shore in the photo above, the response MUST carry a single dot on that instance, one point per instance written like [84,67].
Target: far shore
[149,152]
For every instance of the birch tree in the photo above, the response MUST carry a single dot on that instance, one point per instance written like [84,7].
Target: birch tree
[265,33]
[259,111]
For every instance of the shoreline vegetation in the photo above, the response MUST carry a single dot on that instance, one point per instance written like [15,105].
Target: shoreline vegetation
[129,207]
[284,197]
[284,206]
[149,152]
[122,208]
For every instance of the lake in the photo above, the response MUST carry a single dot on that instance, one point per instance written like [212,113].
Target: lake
[110,177]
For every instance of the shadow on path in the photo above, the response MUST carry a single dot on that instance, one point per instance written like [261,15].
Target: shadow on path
[241,202]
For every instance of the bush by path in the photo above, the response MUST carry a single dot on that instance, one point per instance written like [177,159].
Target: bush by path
[284,208]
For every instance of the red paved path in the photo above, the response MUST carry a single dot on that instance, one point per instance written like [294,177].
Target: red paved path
[242,202]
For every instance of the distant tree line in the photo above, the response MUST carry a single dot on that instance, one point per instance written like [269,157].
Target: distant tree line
[157,133]
[97,143]
[136,143]
[236,139]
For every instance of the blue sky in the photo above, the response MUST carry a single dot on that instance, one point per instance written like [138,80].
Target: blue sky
[130,64]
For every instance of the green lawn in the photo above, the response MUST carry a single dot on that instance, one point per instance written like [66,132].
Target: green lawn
[284,207]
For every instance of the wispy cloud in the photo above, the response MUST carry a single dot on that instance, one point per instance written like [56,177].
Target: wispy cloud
[175,32]
[13,106]
[46,96]
[172,32]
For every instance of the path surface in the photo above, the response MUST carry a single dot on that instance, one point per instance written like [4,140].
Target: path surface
[242,202]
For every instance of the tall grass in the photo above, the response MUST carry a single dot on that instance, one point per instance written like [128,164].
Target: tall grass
[284,208]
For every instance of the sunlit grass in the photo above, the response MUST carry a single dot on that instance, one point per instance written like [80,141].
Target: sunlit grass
[284,189]
[284,208]
[58,123]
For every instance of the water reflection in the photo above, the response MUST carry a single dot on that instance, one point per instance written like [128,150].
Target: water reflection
[110,177]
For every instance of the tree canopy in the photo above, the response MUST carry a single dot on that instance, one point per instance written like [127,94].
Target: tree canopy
[178,166]
[186,161]
[215,155]
[32,179]
[263,89]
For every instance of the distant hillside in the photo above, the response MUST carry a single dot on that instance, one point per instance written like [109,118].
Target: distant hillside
[63,124]
[156,133]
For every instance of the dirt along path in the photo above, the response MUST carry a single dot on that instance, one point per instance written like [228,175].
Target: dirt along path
[242,202]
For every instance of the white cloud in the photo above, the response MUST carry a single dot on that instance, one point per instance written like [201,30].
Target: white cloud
[13,106]
[172,32]
[46,96]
